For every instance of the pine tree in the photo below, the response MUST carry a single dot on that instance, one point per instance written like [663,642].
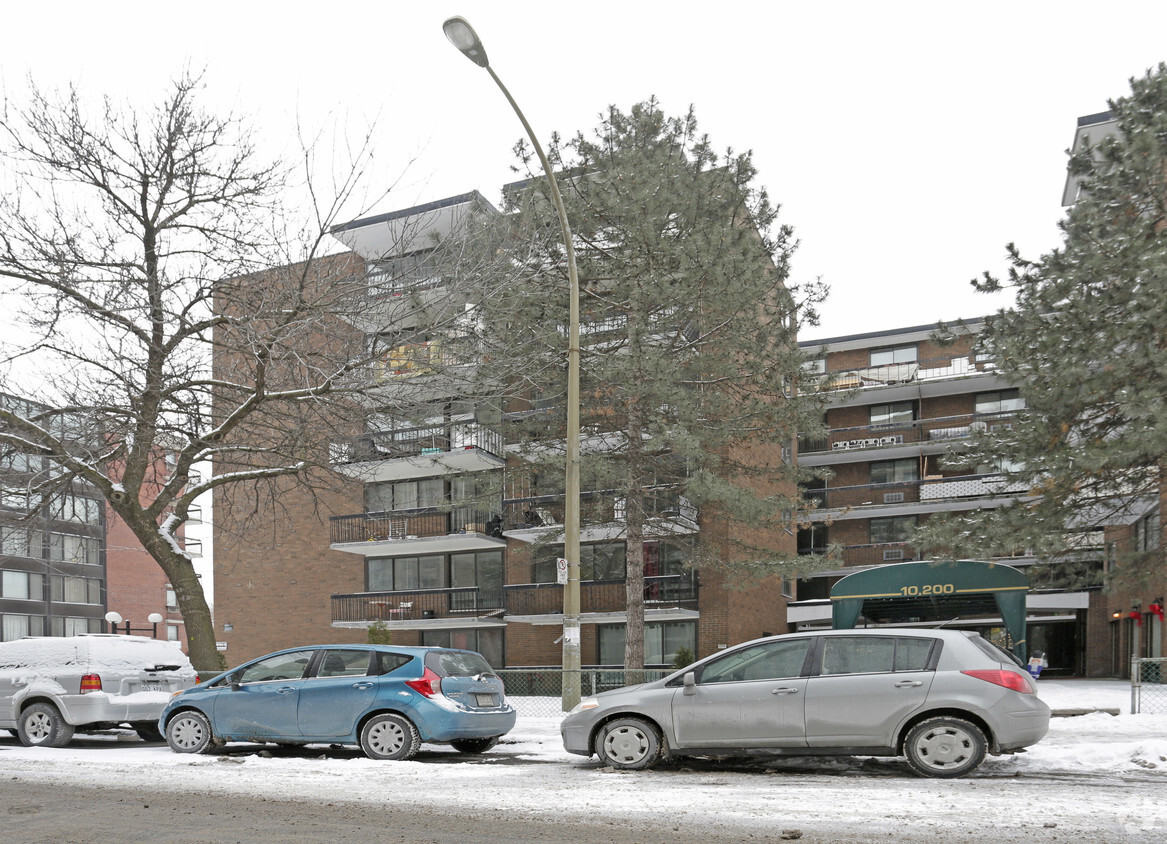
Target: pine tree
[688,331]
[1085,343]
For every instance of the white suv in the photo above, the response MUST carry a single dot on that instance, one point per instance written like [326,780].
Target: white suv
[53,686]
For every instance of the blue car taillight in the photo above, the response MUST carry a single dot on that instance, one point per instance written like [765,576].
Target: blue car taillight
[428,684]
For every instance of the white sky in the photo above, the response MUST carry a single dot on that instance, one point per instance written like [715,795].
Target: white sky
[908,142]
[1034,796]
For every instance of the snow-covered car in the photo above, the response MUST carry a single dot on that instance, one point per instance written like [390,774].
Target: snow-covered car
[384,698]
[941,698]
[51,687]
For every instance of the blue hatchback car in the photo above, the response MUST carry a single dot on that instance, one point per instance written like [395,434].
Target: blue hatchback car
[384,698]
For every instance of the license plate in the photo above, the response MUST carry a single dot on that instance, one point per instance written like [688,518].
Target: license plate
[485,700]
[153,687]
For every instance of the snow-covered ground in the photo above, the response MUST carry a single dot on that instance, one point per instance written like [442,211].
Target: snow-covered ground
[1096,774]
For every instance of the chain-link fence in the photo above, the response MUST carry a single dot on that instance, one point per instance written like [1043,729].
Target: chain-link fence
[539,691]
[1149,685]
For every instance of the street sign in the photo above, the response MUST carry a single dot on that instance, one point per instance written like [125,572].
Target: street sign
[561,570]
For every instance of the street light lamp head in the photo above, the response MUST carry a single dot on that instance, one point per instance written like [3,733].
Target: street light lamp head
[113,617]
[154,617]
[463,36]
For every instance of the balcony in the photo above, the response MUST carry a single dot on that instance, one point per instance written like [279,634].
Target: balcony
[602,515]
[932,494]
[919,433]
[415,532]
[678,591]
[898,381]
[419,452]
[404,609]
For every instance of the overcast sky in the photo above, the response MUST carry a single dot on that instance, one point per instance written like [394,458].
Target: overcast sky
[907,142]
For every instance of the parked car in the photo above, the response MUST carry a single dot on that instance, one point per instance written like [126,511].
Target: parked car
[941,698]
[51,687]
[385,699]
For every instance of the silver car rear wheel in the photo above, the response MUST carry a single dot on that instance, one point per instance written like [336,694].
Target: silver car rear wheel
[628,743]
[41,725]
[389,736]
[945,747]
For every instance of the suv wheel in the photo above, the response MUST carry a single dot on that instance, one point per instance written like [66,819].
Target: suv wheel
[189,732]
[628,743]
[389,736]
[41,725]
[945,747]
[148,731]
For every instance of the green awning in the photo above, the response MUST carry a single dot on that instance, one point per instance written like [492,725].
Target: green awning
[927,591]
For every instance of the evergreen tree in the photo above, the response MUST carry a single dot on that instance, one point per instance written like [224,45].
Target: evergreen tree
[688,335]
[1085,345]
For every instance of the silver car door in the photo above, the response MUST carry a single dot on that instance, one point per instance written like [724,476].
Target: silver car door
[751,697]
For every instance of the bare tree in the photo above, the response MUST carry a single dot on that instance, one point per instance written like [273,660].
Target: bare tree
[144,245]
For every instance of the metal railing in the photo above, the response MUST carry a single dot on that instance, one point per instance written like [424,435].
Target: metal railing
[677,590]
[939,429]
[418,442]
[907,492]
[410,524]
[1148,685]
[538,692]
[459,602]
[934,369]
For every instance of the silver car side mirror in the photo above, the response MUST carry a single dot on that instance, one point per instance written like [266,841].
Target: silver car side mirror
[690,681]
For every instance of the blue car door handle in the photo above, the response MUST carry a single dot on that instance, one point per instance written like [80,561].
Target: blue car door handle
[365,685]
[286,690]
[903,684]
[784,691]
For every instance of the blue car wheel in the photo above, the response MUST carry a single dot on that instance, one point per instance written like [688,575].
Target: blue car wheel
[188,732]
[389,736]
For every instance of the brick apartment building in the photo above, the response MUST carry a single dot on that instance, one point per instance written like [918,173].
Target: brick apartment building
[437,536]
[903,404]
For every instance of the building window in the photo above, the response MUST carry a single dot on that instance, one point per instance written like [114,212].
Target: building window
[22,586]
[71,626]
[489,643]
[1147,532]
[897,413]
[171,599]
[892,529]
[172,632]
[69,548]
[999,401]
[75,590]
[477,570]
[608,561]
[895,471]
[14,542]
[427,493]
[815,366]
[662,640]
[893,355]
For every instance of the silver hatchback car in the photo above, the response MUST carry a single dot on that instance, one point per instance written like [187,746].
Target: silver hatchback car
[941,698]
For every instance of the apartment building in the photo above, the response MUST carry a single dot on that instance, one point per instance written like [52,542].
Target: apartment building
[63,568]
[445,536]
[52,562]
[904,404]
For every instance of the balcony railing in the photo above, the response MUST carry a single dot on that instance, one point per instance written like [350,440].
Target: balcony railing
[460,602]
[409,524]
[940,429]
[908,492]
[935,369]
[595,507]
[418,442]
[677,590]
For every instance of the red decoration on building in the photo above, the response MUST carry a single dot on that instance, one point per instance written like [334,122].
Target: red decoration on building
[1156,609]
[1137,616]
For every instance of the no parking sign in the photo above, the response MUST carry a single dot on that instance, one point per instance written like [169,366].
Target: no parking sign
[561,570]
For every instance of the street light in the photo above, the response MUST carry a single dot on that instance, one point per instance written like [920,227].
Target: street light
[115,618]
[463,36]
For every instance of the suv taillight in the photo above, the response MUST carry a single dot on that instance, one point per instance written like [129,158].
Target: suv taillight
[428,684]
[90,683]
[1009,679]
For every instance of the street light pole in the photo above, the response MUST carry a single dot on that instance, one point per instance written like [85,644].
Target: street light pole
[463,36]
